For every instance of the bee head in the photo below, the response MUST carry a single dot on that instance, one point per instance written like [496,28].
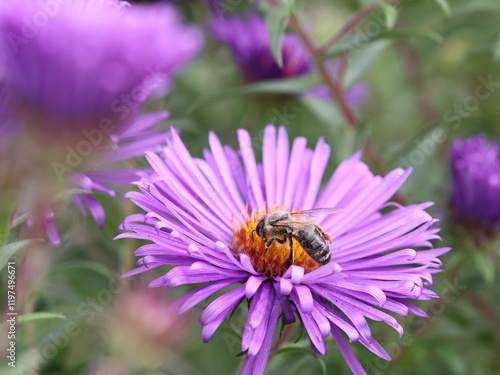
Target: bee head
[260,229]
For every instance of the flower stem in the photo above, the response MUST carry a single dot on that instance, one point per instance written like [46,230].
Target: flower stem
[334,87]
[287,332]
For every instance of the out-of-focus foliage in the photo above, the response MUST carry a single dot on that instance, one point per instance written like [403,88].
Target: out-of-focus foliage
[432,69]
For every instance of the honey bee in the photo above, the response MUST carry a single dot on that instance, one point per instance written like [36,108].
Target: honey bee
[282,226]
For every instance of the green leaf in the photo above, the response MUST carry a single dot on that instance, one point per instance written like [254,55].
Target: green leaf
[276,21]
[9,250]
[444,6]
[39,316]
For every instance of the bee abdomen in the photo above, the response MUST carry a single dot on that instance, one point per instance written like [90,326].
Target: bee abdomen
[315,245]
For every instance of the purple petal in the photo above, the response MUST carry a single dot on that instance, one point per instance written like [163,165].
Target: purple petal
[347,353]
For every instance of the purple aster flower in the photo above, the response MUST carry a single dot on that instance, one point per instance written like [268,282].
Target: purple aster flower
[475,168]
[202,216]
[248,40]
[76,75]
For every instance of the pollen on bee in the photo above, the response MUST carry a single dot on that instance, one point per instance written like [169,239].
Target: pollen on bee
[273,263]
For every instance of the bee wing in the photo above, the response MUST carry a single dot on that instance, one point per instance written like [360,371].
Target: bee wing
[297,225]
[316,212]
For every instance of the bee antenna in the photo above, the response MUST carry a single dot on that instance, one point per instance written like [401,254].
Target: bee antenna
[252,236]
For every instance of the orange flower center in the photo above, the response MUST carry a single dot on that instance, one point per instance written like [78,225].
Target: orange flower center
[273,262]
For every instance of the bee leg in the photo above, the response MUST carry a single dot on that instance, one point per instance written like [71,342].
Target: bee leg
[270,242]
[289,262]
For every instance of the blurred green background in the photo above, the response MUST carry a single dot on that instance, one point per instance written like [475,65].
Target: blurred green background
[423,69]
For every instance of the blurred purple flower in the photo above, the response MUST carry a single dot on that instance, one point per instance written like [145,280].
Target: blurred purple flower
[475,168]
[76,75]
[72,66]
[201,215]
[248,40]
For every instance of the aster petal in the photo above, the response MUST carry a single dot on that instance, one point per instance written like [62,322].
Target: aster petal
[257,321]
[226,172]
[375,348]
[255,365]
[295,273]
[294,171]
[318,164]
[347,353]
[269,164]
[346,177]
[194,297]
[252,285]
[370,199]
[139,270]
[195,275]
[186,167]
[303,296]
[339,321]
[238,171]
[282,150]
[327,272]
[311,327]
[246,151]
[385,243]
[412,308]
[402,218]
[286,286]
[214,314]
[321,320]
